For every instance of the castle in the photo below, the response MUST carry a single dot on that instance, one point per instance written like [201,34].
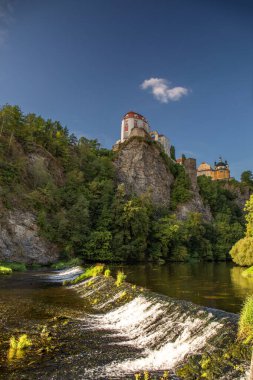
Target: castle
[219,172]
[134,124]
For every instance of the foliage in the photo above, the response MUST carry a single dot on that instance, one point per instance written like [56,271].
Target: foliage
[70,184]
[247,178]
[180,192]
[248,272]
[16,267]
[21,343]
[74,262]
[245,327]
[5,270]
[242,252]
[217,364]
[89,272]
[120,278]
[172,152]
[107,273]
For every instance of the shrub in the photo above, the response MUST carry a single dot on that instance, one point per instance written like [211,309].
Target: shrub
[245,330]
[107,273]
[21,343]
[5,270]
[120,278]
[16,267]
[242,252]
[67,264]
[89,272]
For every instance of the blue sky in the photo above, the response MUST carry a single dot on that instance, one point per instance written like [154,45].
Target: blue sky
[83,63]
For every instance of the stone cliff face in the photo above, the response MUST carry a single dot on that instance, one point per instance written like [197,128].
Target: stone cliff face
[141,168]
[195,204]
[19,240]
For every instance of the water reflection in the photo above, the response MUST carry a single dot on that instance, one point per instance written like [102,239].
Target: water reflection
[216,285]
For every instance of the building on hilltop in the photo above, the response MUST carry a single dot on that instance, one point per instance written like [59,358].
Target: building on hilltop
[163,140]
[130,121]
[220,171]
[134,124]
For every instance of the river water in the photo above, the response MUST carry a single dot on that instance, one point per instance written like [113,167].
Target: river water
[94,337]
[217,285]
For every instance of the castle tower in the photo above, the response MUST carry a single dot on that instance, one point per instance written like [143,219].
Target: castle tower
[221,170]
[130,121]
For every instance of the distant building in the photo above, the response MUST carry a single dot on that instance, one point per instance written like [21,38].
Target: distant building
[163,140]
[130,121]
[220,171]
[134,124]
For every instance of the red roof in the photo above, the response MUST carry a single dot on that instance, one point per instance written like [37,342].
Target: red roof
[134,115]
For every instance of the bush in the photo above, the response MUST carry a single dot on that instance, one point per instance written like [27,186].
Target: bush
[16,267]
[5,270]
[89,272]
[67,264]
[107,273]
[245,330]
[242,252]
[120,278]
[21,343]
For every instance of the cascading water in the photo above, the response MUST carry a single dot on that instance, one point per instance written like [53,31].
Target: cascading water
[164,331]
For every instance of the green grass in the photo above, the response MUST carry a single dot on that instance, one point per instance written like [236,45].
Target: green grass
[248,272]
[5,270]
[245,326]
[21,343]
[67,264]
[107,273]
[89,272]
[16,267]
[120,278]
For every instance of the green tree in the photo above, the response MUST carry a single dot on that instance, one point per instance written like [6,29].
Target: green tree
[247,177]
[242,251]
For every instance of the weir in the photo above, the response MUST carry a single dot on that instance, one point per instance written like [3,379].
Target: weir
[162,332]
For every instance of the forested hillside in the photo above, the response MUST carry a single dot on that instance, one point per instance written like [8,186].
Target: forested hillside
[70,185]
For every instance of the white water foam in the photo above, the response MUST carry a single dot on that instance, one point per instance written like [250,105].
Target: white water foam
[164,336]
[66,274]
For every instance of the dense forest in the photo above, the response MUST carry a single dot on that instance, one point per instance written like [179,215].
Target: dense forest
[70,185]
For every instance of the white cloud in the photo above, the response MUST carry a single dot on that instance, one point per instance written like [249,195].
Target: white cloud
[162,91]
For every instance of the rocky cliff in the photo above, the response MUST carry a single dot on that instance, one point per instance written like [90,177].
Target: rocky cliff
[140,166]
[195,204]
[20,241]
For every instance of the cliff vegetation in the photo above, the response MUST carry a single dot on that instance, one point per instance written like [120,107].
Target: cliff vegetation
[81,200]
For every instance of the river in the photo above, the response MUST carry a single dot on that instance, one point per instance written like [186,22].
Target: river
[103,339]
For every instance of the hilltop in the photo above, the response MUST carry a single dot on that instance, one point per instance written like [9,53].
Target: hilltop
[63,196]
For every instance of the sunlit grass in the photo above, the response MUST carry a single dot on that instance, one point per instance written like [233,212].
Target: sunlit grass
[67,264]
[16,267]
[18,346]
[120,278]
[107,273]
[5,270]
[245,330]
[89,272]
